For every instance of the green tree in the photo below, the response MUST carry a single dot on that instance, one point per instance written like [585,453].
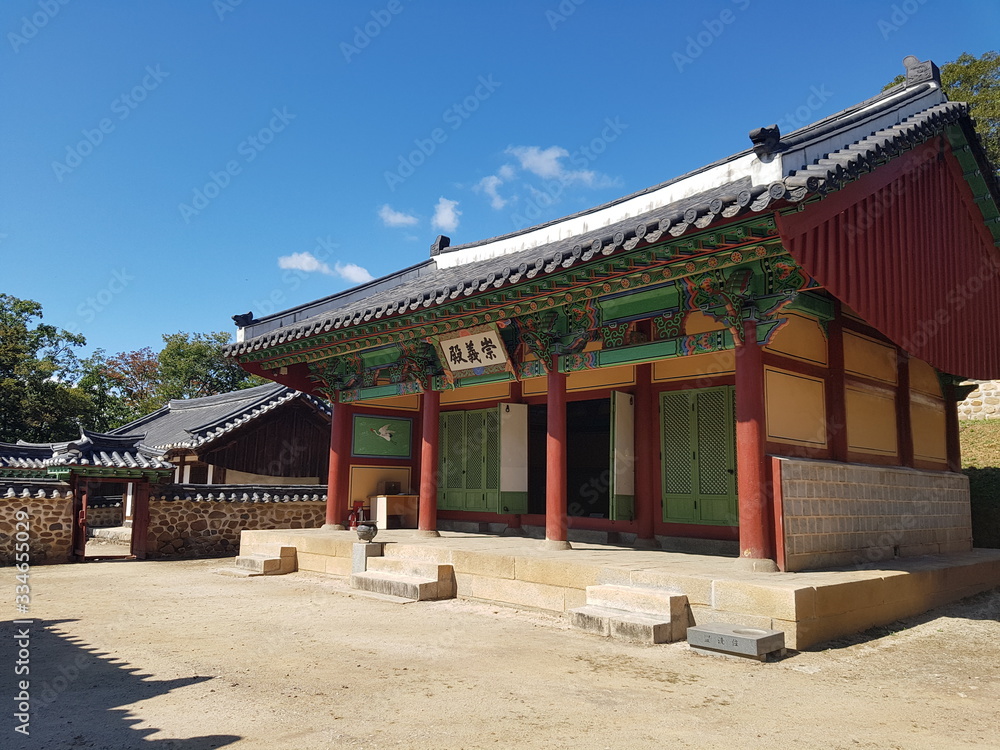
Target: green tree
[193,365]
[122,388]
[976,81]
[38,399]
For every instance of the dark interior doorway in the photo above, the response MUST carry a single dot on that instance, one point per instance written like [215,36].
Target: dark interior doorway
[588,458]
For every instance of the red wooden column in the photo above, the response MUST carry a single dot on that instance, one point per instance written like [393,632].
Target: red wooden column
[555,460]
[645,456]
[836,405]
[338,477]
[904,429]
[430,408]
[755,511]
[140,519]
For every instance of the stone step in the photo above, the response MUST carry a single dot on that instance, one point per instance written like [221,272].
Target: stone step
[593,619]
[634,627]
[647,600]
[444,574]
[270,562]
[414,588]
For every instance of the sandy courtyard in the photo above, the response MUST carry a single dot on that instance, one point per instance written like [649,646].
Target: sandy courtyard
[170,655]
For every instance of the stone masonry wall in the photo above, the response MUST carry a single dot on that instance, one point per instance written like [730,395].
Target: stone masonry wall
[99,518]
[838,514]
[982,403]
[207,528]
[49,532]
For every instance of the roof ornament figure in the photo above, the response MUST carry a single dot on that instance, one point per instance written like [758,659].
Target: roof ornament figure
[920,72]
[765,141]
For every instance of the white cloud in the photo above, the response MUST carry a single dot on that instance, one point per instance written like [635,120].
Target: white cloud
[309,263]
[545,163]
[446,215]
[305,262]
[353,273]
[489,185]
[393,218]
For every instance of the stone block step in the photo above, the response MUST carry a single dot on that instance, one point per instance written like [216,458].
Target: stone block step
[593,619]
[394,584]
[442,573]
[643,599]
[635,627]
[407,567]
[272,562]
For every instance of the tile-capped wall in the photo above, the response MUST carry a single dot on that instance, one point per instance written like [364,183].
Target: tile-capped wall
[837,514]
[188,528]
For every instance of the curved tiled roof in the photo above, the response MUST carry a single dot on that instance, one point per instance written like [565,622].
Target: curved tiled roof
[190,423]
[815,160]
[23,456]
[91,449]
[42,489]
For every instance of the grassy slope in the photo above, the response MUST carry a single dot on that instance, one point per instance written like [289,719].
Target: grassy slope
[981,459]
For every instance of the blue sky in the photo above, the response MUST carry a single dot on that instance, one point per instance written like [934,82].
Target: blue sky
[169,164]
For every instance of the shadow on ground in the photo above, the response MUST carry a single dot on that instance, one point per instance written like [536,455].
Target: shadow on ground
[77,694]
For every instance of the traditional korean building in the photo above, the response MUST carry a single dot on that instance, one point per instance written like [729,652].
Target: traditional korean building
[46,487]
[176,481]
[269,435]
[764,352]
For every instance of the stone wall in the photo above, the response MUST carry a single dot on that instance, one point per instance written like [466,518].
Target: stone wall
[838,514]
[99,518]
[211,528]
[982,403]
[50,523]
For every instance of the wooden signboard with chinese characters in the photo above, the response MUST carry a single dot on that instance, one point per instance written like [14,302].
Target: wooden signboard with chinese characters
[473,351]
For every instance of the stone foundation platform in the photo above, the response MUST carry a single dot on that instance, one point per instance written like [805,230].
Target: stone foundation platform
[809,607]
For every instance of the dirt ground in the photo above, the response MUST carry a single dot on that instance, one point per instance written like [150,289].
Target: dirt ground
[168,654]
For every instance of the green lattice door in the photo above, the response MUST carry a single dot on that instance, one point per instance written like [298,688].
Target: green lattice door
[470,460]
[699,458]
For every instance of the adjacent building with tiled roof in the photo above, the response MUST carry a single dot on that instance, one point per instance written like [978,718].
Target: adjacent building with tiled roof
[267,434]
